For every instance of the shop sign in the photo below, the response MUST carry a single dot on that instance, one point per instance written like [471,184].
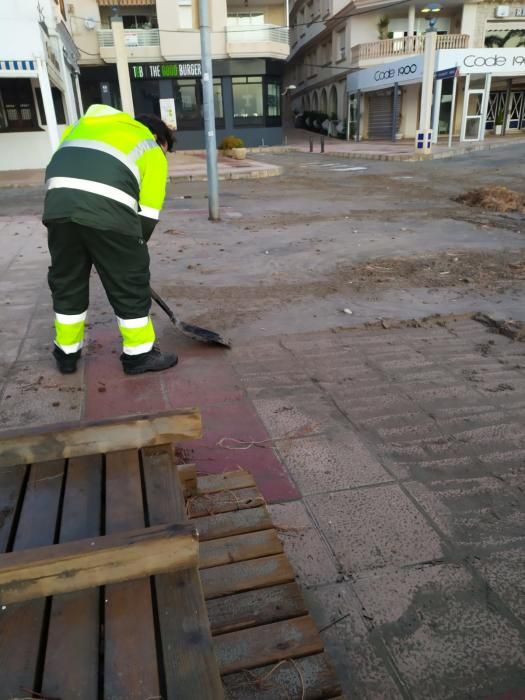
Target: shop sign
[168,113]
[408,70]
[483,60]
[151,71]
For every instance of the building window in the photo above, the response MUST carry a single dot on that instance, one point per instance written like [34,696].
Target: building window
[248,105]
[140,22]
[186,14]
[245,19]
[341,45]
[58,103]
[17,106]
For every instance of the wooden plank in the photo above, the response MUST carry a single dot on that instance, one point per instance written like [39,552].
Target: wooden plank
[30,445]
[223,502]
[259,607]
[11,483]
[190,666]
[211,527]
[309,678]
[21,625]
[246,575]
[96,561]
[74,624]
[228,550]
[188,479]
[268,644]
[130,659]
[238,479]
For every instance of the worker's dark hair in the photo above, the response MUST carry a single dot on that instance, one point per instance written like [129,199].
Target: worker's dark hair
[163,134]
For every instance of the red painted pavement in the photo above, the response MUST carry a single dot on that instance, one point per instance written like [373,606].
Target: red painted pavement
[204,378]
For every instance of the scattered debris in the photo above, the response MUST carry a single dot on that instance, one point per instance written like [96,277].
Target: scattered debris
[511,329]
[349,312]
[499,199]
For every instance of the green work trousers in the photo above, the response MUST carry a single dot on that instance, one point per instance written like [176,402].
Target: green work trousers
[122,263]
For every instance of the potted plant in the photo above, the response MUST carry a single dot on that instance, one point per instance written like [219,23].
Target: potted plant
[382,27]
[233,147]
[499,122]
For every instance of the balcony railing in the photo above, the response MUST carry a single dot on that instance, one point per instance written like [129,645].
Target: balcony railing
[391,48]
[257,34]
[132,37]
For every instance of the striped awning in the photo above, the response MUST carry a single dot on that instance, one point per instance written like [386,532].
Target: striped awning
[125,3]
[505,26]
[18,65]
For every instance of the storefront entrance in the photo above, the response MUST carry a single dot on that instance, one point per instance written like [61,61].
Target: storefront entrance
[515,112]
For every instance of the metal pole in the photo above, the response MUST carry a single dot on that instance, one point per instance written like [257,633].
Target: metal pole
[348,115]
[209,112]
[322,143]
[452,111]
[121,53]
[395,109]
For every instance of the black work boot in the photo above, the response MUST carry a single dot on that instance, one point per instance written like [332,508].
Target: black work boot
[152,361]
[66,363]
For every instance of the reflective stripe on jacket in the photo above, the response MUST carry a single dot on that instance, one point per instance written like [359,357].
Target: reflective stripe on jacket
[108,173]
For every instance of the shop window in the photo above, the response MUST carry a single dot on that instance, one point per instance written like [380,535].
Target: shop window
[17,106]
[188,104]
[186,14]
[248,104]
[273,103]
[58,102]
[218,102]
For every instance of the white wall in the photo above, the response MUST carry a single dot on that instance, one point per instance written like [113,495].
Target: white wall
[25,150]
[19,30]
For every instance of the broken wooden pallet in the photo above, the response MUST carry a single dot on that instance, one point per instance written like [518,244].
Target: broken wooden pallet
[167,635]
[266,643]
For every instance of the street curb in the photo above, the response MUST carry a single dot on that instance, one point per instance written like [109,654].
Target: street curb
[247,175]
[405,157]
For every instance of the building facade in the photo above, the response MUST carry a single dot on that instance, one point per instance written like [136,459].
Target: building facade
[39,92]
[162,38]
[362,65]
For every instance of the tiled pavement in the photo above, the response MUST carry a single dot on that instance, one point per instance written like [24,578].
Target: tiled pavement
[408,447]
[393,461]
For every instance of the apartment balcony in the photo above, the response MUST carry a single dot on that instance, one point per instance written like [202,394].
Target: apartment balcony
[376,52]
[265,40]
[141,44]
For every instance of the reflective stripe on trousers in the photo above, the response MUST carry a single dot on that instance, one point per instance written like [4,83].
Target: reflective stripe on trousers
[69,330]
[138,335]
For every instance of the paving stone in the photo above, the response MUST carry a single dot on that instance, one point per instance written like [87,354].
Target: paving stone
[311,558]
[299,414]
[445,636]
[504,573]
[333,461]
[374,527]
[362,666]
[478,515]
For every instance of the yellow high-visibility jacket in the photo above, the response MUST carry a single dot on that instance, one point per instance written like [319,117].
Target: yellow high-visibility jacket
[108,173]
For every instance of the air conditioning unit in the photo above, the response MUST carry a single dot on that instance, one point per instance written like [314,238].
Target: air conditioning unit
[502,11]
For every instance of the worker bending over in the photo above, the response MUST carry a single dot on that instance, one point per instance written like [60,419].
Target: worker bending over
[105,187]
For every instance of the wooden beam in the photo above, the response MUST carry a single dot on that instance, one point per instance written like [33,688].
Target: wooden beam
[29,446]
[74,566]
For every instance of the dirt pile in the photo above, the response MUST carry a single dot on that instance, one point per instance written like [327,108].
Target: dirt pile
[498,199]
